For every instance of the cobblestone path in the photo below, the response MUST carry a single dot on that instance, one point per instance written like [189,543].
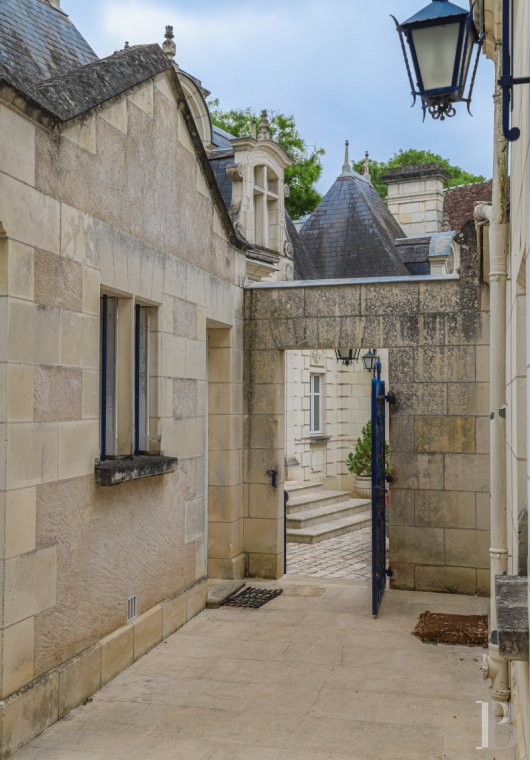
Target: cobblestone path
[348,556]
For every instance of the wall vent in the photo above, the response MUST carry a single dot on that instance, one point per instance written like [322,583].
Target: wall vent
[132,608]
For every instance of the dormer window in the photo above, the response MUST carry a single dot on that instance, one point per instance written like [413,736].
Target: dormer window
[266,208]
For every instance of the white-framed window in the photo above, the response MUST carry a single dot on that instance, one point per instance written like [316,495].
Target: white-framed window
[315,396]
[266,207]
[124,376]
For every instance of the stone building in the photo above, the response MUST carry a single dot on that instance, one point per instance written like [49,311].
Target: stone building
[503,226]
[142,366]
[120,281]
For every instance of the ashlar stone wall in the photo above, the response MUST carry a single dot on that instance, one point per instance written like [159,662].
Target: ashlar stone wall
[120,204]
[436,332]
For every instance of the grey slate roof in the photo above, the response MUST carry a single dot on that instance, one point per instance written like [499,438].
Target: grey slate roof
[31,54]
[351,233]
[45,58]
[414,253]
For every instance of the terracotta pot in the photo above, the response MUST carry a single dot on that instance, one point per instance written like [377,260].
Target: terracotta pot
[363,486]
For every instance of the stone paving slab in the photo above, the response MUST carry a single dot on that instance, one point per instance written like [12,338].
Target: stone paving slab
[309,676]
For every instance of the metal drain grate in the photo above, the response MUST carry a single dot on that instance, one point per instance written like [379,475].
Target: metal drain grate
[253,597]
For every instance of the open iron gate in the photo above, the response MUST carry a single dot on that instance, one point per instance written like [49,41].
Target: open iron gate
[379,489]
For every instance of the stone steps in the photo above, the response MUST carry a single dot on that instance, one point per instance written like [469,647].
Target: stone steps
[297,487]
[303,502]
[320,532]
[326,513]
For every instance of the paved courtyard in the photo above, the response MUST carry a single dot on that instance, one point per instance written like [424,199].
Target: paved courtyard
[309,676]
[348,556]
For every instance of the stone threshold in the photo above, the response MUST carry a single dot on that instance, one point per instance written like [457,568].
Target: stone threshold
[112,472]
[36,706]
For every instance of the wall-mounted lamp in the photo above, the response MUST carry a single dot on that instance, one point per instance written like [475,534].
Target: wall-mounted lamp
[347,355]
[370,359]
[441,38]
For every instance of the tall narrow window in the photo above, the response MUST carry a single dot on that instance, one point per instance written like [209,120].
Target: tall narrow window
[109,320]
[141,379]
[315,395]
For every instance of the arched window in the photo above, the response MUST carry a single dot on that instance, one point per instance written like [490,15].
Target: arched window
[266,208]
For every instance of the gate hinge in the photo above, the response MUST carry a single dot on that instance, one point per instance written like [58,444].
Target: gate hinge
[390,572]
[390,398]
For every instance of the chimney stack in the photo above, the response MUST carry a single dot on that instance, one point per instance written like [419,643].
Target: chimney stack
[416,197]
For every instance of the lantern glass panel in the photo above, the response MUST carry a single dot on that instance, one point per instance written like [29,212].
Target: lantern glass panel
[436,50]
[467,53]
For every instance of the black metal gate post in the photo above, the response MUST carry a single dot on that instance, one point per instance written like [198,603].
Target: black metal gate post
[379,490]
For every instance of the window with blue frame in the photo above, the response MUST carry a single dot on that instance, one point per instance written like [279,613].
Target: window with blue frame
[124,377]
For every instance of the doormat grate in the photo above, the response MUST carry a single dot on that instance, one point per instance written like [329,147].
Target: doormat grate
[252,597]
[441,628]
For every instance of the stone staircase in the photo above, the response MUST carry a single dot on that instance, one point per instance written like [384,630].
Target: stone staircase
[314,515]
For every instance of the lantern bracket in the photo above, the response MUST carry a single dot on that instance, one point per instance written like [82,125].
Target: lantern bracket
[507,81]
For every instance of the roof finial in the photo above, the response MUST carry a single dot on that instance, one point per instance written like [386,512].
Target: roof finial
[346,165]
[168,46]
[366,172]
[264,132]
[126,46]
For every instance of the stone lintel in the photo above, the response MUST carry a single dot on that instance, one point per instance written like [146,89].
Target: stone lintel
[511,598]
[111,472]
[413,173]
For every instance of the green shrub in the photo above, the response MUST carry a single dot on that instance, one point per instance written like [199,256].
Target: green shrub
[359,462]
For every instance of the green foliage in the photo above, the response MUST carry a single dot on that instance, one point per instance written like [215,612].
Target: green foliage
[359,462]
[303,175]
[412,157]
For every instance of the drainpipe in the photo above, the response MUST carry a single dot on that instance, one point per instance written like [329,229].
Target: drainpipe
[495,667]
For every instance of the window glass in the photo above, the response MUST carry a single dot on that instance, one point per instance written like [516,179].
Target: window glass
[109,319]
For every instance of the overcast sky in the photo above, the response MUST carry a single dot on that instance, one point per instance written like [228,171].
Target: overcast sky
[335,64]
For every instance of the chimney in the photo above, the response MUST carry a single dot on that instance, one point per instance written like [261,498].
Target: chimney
[416,197]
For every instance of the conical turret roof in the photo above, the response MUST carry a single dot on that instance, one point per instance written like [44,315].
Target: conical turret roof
[351,233]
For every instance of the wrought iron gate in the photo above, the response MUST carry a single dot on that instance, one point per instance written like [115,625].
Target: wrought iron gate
[379,490]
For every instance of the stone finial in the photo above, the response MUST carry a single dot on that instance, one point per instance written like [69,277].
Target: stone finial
[168,46]
[366,172]
[126,46]
[346,164]
[264,128]
[254,130]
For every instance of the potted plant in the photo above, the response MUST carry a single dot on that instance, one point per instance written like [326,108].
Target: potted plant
[359,462]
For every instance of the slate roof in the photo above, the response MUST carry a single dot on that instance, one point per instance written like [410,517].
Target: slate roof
[46,59]
[351,233]
[459,203]
[414,253]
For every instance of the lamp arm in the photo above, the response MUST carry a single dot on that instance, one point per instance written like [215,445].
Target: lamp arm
[474,75]
[404,51]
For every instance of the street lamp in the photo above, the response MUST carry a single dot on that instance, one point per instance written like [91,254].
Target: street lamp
[369,360]
[347,355]
[441,38]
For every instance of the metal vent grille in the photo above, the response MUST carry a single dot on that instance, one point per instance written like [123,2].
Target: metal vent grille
[132,607]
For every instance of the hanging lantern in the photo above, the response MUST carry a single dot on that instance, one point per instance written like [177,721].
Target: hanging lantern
[441,39]
[347,355]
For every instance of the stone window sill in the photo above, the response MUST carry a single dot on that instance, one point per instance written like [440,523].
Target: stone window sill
[319,438]
[111,472]
[511,598]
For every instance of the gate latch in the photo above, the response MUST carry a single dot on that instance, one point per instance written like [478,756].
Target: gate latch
[273,474]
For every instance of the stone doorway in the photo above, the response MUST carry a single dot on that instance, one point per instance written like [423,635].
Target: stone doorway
[436,329]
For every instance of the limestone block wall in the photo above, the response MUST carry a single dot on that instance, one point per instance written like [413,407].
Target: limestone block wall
[436,332]
[345,410]
[518,331]
[118,204]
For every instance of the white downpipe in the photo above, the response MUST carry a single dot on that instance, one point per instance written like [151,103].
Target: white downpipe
[496,667]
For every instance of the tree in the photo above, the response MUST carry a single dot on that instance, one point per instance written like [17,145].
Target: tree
[412,157]
[303,175]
